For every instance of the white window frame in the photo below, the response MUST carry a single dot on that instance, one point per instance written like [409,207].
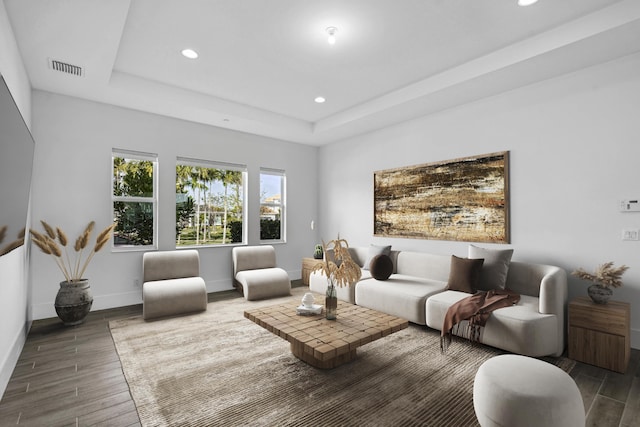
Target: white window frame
[282,205]
[213,164]
[136,155]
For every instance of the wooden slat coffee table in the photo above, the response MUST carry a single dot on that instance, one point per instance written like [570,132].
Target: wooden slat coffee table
[326,343]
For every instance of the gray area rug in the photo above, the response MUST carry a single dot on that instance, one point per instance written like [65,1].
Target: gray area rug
[218,368]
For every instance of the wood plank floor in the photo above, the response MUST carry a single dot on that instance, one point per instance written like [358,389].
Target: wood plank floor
[71,376]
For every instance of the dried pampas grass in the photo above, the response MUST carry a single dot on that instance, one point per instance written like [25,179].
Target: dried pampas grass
[344,274]
[19,241]
[605,275]
[54,242]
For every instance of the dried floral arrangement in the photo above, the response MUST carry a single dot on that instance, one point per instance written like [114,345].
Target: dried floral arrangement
[342,270]
[11,245]
[52,242]
[605,275]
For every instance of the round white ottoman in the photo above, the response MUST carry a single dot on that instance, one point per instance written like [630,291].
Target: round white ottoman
[519,391]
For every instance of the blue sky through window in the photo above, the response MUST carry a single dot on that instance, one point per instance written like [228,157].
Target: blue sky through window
[269,186]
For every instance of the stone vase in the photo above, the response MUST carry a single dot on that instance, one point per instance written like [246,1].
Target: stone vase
[331,303]
[73,302]
[599,294]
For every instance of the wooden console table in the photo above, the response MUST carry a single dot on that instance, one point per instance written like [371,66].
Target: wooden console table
[599,334]
[307,268]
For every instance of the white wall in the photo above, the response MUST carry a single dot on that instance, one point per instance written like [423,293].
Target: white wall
[12,67]
[13,312]
[72,185]
[13,281]
[575,148]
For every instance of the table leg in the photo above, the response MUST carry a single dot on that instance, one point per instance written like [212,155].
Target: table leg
[333,362]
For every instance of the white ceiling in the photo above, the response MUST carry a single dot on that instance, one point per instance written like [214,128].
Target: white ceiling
[263,62]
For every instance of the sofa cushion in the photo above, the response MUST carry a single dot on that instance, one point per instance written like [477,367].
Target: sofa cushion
[381,267]
[264,283]
[173,296]
[495,267]
[519,329]
[465,274]
[376,250]
[424,265]
[400,295]
[318,283]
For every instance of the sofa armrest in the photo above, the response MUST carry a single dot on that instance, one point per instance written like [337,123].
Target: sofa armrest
[318,284]
[548,283]
[554,292]
[553,300]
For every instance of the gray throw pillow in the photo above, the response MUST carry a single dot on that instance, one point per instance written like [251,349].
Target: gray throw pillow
[376,250]
[495,267]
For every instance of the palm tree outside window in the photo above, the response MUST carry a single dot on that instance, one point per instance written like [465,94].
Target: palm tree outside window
[134,199]
[210,205]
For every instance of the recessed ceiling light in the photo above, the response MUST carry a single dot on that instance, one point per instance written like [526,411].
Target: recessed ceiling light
[332,35]
[320,99]
[526,2]
[189,53]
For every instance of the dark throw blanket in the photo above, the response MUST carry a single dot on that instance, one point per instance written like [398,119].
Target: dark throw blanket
[476,309]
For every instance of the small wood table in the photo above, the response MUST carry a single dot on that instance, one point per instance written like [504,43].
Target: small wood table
[599,334]
[307,268]
[324,343]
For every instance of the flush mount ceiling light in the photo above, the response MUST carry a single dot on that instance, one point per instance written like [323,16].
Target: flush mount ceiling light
[332,35]
[526,2]
[189,53]
[319,99]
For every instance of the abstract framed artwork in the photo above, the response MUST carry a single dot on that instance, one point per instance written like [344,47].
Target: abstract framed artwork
[464,199]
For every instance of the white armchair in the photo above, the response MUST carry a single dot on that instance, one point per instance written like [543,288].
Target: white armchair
[172,284]
[256,275]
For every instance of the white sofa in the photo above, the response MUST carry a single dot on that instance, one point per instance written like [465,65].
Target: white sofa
[416,291]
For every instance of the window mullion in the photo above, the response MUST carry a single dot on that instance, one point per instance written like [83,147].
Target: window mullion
[134,199]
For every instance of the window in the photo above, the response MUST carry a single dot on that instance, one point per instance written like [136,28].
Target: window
[209,203]
[134,199]
[272,204]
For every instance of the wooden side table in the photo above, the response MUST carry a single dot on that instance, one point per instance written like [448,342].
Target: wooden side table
[307,267]
[599,334]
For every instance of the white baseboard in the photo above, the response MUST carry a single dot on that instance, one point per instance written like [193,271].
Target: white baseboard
[12,356]
[295,274]
[219,285]
[635,338]
[46,310]
[103,302]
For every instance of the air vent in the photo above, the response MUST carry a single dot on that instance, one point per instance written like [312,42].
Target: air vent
[65,68]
